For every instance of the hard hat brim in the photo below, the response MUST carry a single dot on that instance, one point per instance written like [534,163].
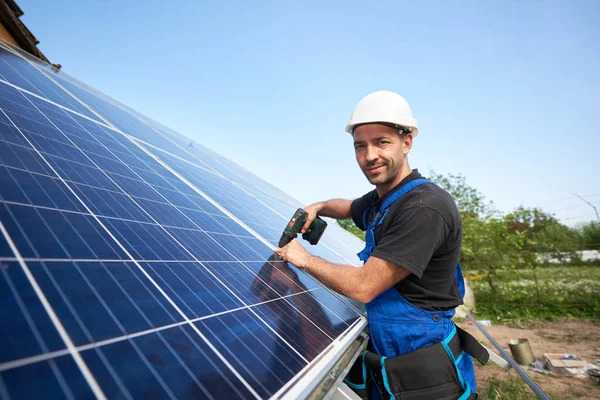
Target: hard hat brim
[412,125]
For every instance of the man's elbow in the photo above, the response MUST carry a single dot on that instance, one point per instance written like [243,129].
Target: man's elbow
[366,294]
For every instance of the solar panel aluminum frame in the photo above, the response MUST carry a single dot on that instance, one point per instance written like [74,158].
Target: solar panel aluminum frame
[313,374]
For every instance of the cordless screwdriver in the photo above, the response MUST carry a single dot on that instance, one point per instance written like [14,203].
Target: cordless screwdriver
[312,236]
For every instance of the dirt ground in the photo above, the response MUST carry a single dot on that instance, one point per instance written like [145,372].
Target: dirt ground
[579,337]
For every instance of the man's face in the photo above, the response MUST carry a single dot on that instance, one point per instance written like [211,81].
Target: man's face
[380,152]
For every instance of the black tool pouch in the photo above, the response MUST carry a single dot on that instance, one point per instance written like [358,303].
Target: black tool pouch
[423,374]
[359,380]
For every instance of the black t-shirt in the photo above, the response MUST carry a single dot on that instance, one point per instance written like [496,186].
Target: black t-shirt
[421,232]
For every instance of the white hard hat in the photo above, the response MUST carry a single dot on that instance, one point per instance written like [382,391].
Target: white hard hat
[384,107]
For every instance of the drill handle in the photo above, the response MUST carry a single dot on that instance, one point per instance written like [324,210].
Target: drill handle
[317,227]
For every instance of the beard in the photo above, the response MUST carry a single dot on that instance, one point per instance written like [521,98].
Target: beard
[385,176]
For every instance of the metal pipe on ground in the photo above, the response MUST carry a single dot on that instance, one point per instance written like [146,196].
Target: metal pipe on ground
[536,389]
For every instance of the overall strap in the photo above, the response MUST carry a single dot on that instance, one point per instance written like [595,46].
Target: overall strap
[402,191]
[458,275]
[381,213]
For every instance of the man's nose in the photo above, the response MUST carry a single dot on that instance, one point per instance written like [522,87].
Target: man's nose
[371,154]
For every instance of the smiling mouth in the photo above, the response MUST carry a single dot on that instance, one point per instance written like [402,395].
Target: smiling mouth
[373,170]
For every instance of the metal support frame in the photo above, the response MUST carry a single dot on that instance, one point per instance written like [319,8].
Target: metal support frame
[536,389]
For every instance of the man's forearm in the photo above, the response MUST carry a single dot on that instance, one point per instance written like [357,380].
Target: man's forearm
[344,279]
[335,208]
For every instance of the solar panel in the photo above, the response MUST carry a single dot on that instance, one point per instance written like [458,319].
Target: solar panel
[137,263]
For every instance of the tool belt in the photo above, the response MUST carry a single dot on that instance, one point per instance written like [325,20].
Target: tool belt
[427,373]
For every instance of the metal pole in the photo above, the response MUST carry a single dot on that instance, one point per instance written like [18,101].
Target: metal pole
[536,389]
[591,205]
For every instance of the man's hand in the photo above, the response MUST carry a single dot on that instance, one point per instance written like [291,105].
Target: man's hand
[313,212]
[294,253]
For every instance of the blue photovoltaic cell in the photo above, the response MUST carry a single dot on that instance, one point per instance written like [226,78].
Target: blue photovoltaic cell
[19,72]
[59,377]
[30,331]
[149,279]
[249,343]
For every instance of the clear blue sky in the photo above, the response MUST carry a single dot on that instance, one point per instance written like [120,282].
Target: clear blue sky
[506,93]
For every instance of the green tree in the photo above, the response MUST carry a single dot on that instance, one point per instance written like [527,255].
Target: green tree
[590,235]
[488,244]
[468,199]
[544,235]
[348,224]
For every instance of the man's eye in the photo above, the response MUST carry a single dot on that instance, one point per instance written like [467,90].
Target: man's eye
[383,142]
[358,146]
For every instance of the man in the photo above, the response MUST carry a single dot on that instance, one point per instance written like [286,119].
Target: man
[410,277]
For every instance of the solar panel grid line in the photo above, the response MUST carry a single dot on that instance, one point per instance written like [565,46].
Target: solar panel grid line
[31,324]
[44,67]
[50,230]
[100,215]
[210,168]
[111,125]
[198,229]
[88,260]
[207,168]
[35,359]
[81,348]
[153,371]
[19,71]
[204,338]
[57,324]
[98,188]
[106,121]
[34,60]
[3,389]
[44,73]
[51,102]
[207,269]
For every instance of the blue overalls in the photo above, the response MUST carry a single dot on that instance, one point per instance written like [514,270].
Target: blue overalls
[398,327]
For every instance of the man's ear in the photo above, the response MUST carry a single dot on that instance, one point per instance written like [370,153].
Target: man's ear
[407,143]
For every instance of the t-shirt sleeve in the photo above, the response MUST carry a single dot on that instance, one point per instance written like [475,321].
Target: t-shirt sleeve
[358,207]
[412,238]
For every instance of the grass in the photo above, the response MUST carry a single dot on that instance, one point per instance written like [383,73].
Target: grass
[564,291]
[512,388]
